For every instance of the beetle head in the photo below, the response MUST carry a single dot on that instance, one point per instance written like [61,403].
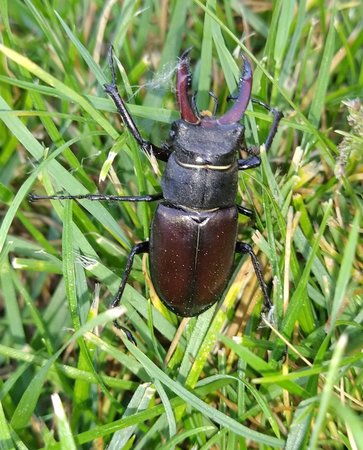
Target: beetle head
[188,109]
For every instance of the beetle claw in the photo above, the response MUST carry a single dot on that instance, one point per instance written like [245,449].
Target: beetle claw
[235,113]
[128,333]
[183,83]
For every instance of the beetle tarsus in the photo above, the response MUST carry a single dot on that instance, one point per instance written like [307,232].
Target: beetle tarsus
[128,333]
[245,211]
[242,247]
[249,163]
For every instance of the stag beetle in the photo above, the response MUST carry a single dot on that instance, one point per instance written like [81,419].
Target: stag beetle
[193,232]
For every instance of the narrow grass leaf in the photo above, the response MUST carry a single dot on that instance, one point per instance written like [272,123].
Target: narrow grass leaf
[192,364]
[328,391]
[27,403]
[140,401]
[296,305]
[68,264]
[37,318]
[204,81]
[46,25]
[300,425]
[68,92]
[316,369]
[11,303]
[181,437]
[172,45]
[293,42]
[60,174]
[229,66]
[6,442]
[353,421]
[283,28]
[344,272]
[168,408]
[199,405]
[91,63]
[258,396]
[71,372]
[261,366]
[64,429]
[322,81]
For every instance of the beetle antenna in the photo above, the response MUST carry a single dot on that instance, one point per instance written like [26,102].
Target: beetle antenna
[215,98]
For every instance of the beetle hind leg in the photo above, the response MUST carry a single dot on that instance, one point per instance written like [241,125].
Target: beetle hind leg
[242,247]
[141,247]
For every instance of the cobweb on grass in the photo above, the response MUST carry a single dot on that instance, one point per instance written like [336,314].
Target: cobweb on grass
[163,80]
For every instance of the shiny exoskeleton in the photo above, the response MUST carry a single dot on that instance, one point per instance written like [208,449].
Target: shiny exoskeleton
[193,232]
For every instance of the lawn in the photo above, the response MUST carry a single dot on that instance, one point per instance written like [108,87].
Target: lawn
[233,377]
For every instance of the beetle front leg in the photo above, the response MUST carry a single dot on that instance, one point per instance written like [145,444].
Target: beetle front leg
[141,247]
[161,153]
[255,161]
[242,247]
[277,116]
[99,197]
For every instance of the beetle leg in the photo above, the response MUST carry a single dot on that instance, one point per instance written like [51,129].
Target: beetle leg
[245,211]
[161,153]
[249,163]
[242,247]
[141,247]
[99,197]
[277,116]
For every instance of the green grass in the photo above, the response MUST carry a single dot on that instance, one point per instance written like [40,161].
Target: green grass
[68,379]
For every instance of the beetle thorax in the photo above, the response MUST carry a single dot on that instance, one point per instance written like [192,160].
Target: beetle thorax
[206,143]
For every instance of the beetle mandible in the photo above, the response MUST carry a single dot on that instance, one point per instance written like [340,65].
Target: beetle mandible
[193,233]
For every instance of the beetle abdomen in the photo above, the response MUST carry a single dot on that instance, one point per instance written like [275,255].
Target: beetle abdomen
[191,256]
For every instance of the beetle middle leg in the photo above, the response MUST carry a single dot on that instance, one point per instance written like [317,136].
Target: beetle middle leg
[242,247]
